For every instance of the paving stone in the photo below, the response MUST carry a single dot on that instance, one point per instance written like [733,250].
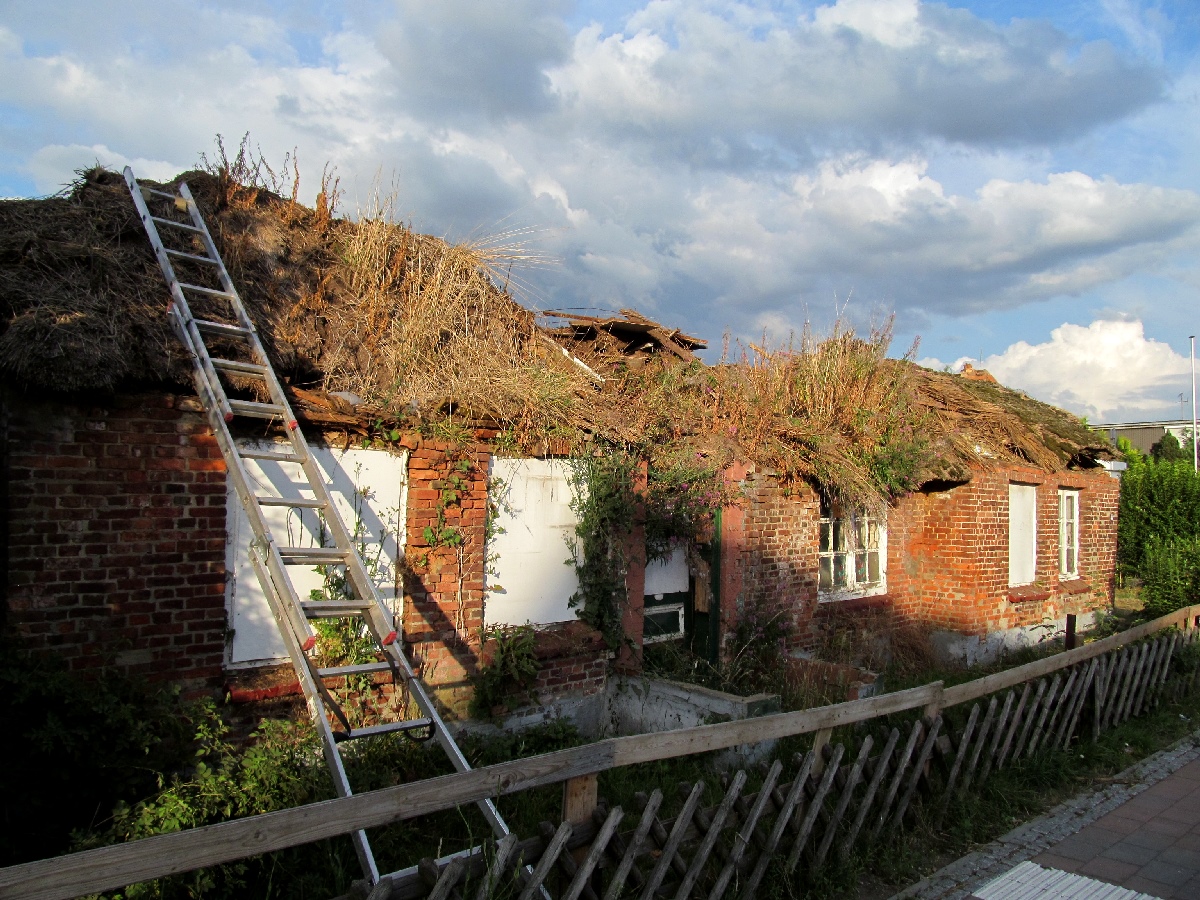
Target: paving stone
[1127,852]
[1164,872]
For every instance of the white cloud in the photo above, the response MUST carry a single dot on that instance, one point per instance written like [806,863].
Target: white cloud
[720,164]
[1095,370]
[50,162]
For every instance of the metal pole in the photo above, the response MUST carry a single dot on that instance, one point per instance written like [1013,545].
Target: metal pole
[1195,440]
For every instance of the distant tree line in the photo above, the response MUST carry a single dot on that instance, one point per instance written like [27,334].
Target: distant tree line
[1158,532]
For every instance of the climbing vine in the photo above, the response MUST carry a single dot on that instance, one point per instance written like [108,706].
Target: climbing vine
[675,505]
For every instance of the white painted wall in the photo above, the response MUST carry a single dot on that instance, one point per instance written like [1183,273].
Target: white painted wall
[530,577]
[668,576]
[1022,534]
[367,485]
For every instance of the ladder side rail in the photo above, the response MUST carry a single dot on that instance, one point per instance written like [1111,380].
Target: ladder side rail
[179,302]
[236,471]
[329,749]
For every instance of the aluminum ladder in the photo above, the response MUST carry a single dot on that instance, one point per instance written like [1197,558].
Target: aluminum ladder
[230,327]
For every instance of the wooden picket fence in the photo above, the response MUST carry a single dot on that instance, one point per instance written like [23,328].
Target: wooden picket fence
[801,814]
[837,798]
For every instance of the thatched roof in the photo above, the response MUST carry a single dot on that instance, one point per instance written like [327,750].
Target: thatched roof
[420,329]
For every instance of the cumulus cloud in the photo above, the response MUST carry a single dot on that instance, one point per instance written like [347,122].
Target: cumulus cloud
[730,85]
[719,164]
[1095,370]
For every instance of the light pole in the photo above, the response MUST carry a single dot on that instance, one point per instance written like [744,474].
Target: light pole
[1195,440]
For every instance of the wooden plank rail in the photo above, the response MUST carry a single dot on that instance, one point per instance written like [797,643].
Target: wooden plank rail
[115,866]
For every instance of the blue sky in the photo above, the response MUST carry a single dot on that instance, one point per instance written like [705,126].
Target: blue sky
[1017,182]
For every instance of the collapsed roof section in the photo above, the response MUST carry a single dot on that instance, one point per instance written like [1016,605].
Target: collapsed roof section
[629,338]
[370,322]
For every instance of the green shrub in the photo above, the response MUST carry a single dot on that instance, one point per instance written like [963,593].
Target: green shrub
[1158,500]
[1170,574]
[508,677]
[73,747]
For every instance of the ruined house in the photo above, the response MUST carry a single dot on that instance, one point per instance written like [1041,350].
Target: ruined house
[447,417]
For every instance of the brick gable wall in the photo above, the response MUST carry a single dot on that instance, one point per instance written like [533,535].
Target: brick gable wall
[947,559]
[116,534]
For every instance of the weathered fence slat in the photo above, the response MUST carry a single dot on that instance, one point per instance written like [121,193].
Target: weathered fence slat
[448,880]
[1062,709]
[979,744]
[989,756]
[1031,716]
[814,808]
[710,837]
[864,806]
[1015,722]
[1136,656]
[534,880]
[843,803]
[1088,680]
[1112,686]
[617,885]
[1047,708]
[504,849]
[682,821]
[897,777]
[599,843]
[781,823]
[742,839]
[1146,699]
[963,743]
[1135,683]
[917,772]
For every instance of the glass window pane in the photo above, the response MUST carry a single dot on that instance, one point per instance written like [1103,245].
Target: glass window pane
[872,541]
[839,570]
[873,567]
[839,535]
[860,567]
[826,540]
[825,581]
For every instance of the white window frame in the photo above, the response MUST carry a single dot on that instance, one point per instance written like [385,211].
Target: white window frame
[1068,532]
[839,533]
[1017,549]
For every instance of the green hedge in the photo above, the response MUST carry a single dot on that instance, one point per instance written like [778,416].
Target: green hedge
[1160,502]
[1170,574]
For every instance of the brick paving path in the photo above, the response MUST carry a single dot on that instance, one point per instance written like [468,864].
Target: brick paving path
[1141,832]
[1150,843]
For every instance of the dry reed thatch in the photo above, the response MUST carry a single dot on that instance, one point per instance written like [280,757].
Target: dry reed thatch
[414,326]
[421,331]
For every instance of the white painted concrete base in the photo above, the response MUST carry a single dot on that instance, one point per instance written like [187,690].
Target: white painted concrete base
[973,649]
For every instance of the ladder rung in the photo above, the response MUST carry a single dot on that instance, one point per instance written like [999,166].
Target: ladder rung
[388,728]
[361,669]
[167,194]
[221,329]
[333,609]
[198,289]
[240,368]
[192,257]
[285,501]
[319,555]
[175,224]
[257,410]
[277,457]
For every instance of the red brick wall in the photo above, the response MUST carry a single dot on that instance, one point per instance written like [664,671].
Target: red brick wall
[947,554]
[116,523]
[443,585]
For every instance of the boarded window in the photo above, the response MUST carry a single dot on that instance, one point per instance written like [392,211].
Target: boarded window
[1022,534]
[1068,533]
[368,488]
[667,589]
[529,575]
